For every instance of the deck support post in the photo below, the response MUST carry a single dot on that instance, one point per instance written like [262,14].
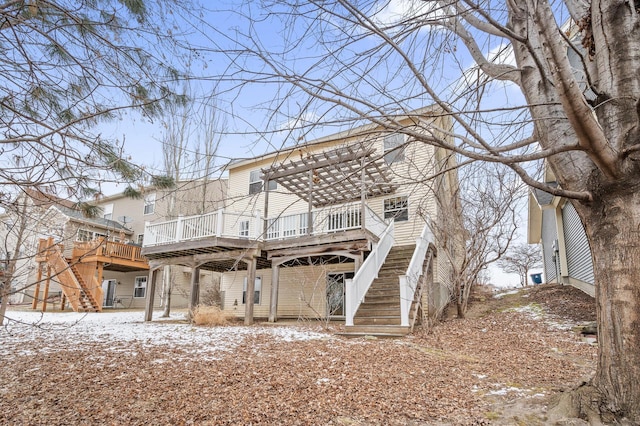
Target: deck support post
[363,196]
[265,223]
[151,294]
[195,289]
[45,295]
[249,295]
[275,283]
[357,262]
[310,204]
[36,292]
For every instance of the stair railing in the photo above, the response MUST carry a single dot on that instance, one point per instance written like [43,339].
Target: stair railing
[357,287]
[409,281]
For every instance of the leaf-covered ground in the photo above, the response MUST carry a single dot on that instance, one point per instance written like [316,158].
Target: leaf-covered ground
[503,365]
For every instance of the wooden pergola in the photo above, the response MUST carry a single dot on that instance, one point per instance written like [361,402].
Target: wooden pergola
[342,175]
[333,177]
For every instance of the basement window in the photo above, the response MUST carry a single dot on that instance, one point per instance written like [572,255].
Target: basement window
[140,287]
[256,291]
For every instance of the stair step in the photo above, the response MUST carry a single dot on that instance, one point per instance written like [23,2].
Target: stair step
[377,320]
[375,330]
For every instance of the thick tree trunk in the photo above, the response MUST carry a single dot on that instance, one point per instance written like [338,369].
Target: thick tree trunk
[613,228]
[4,295]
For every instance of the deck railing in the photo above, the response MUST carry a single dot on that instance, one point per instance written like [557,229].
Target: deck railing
[329,219]
[409,281]
[215,224]
[357,288]
[241,225]
[112,249]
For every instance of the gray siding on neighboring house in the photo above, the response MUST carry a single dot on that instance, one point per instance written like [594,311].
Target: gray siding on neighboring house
[579,260]
[549,236]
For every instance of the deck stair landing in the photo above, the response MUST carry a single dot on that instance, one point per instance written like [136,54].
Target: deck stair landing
[379,313]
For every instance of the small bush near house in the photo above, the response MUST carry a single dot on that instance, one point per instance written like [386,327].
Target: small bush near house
[210,316]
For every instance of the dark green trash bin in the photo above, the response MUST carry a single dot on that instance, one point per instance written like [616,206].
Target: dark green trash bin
[536,278]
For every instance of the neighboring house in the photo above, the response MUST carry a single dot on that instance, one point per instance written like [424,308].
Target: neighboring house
[325,229]
[19,225]
[96,262]
[556,226]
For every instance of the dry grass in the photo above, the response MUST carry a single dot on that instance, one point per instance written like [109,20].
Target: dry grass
[210,316]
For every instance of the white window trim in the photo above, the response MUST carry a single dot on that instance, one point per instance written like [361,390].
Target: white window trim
[136,280]
[149,201]
[395,217]
[107,212]
[91,235]
[257,287]
[255,179]
[393,154]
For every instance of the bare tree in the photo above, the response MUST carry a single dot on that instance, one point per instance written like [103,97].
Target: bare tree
[189,145]
[520,86]
[520,259]
[486,208]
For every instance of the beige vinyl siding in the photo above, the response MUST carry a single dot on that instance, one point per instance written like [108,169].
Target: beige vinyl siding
[185,199]
[418,164]
[302,291]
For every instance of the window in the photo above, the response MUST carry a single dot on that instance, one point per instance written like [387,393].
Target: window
[396,208]
[150,203]
[107,212]
[255,182]
[394,148]
[256,291]
[84,235]
[140,239]
[244,228]
[140,287]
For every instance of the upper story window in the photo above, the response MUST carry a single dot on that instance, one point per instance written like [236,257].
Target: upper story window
[394,148]
[107,212]
[255,182]
[149,203]
[396,208]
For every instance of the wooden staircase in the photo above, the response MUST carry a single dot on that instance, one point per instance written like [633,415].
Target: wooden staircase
[81,295]
[86,298]
[379,313]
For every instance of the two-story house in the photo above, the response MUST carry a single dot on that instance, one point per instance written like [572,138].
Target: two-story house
[95,262]
[332,228]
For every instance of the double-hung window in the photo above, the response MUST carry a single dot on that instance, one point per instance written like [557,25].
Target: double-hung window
[140,287]
[396,208]
[255,182]
[149,203]
[394,145]
[256,291]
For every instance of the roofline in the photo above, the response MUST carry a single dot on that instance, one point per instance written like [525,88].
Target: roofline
[150,188]
[329,138]
[89,222]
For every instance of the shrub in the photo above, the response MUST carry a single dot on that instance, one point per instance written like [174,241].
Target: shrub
[210,316]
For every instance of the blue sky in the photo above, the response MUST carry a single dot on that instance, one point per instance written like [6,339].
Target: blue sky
[252,125]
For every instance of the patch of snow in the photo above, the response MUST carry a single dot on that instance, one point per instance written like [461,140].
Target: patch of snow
[507,293]
[531,311]
[128,333]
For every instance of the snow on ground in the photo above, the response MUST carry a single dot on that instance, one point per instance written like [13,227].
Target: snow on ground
[506,293]
[123,330]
